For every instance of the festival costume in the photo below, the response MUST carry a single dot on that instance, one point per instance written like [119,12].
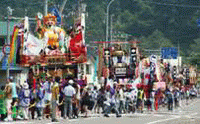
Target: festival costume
[76,47]
[25,100]
[40,102]
[54,100]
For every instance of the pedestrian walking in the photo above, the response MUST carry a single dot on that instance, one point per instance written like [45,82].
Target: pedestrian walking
[24,98]
[55,98]
[32,107]
[120,100]
[14,98]
[61,98]
[40,101]
[69,93]
[110,103]
[100,100]
[8,91]
[94,94]
[170,98]
[47,87]
[86,99]
[140,97]
[176,97]
[187,94]
[75,101]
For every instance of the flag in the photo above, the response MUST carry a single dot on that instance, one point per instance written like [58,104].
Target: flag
[13,47]
[19,45]
[95,68]
[56,13]
[32,46]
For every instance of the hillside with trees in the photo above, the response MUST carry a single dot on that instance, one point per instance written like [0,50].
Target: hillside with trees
[157,23]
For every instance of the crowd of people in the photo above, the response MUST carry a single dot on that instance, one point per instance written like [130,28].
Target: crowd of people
[56,98]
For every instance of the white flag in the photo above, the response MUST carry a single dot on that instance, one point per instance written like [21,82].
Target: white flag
[33,45]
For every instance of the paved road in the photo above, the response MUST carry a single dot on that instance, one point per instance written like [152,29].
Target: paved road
[185,115]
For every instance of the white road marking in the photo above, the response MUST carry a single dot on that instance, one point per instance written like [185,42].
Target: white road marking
[181,113]
[195,117]
[163,120]
[188,116]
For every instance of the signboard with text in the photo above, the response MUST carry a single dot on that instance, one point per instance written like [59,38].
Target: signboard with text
[169,53]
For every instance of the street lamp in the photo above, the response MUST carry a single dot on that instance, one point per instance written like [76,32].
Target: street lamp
[8,39]
[107,19]
[111,28]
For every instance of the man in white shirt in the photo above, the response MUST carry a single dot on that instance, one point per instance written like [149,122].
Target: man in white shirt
[69,93]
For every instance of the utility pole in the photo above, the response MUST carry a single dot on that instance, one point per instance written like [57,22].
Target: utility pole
[178,55]
[111,28]
[82,16]
[25,12]
[83,12]
[45,7]
[9,10]
[107,14]
[62,7]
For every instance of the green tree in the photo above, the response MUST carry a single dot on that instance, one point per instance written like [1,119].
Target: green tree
[176,19]
[155,41]
[195,52]
[95,24]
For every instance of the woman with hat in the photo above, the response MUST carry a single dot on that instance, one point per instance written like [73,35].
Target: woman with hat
[24,98]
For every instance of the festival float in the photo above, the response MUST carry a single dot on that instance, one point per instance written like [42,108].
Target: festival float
[49,50]
[118,61]
[124,59]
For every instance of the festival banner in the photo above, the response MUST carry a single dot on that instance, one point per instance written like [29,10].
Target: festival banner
[13,47]
[33,45]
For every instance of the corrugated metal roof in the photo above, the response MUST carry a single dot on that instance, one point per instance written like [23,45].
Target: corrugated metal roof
[3,28]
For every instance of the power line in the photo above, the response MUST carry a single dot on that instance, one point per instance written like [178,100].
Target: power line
[29,3]
[41,3]
[168,4]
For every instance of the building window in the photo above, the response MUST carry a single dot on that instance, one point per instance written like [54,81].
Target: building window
[88,69]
